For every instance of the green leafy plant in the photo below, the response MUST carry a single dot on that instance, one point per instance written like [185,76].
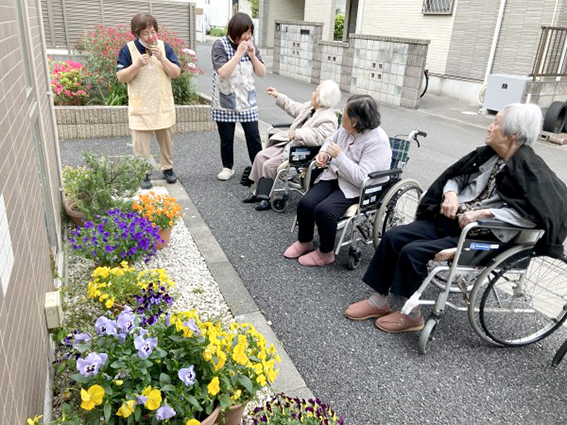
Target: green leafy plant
[69,83]
[255,6]
[284,410]
[339,27]
[217,32]
[104,183]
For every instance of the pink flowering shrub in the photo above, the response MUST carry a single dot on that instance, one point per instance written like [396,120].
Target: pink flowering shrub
[68,82]
[102,45]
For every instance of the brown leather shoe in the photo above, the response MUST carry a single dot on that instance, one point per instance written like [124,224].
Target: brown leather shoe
[397,322]
[364,309]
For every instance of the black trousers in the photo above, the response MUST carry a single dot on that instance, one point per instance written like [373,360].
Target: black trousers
[226,133]
[324,204]
[399,264]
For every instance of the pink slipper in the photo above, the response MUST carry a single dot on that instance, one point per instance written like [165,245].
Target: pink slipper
[314,258]
[296,249]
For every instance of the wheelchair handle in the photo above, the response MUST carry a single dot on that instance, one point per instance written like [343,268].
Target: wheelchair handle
[415,134]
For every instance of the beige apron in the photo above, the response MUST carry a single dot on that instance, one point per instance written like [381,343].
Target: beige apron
[150,97]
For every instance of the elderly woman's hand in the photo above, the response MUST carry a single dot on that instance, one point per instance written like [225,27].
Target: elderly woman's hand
[321,159]
[291,135]
[333,149]
[450,205]
[272,91]
[472,216]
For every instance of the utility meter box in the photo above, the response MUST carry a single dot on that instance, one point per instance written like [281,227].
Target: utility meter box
[503,89]
[53,310]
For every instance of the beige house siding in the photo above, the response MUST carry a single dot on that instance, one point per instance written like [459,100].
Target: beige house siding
[392,18]
[321,11]
[23,334]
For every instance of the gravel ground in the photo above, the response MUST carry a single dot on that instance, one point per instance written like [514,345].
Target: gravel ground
[370,376]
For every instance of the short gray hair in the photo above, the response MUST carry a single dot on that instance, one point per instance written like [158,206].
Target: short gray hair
[329,94]
[522,121]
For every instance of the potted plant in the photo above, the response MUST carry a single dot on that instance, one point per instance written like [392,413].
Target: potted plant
[147,291]
[104,183]
[161,209]
[129,373]
[284,410]
[115,237]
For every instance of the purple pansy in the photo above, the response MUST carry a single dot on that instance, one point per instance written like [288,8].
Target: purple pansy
[90,365]
[125,321]
[187,375]
[105,326]
[145,346]
[81,339]
[165,412]
[193,326]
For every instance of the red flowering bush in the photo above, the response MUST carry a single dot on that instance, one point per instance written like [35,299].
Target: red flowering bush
[102,46]
[68,82]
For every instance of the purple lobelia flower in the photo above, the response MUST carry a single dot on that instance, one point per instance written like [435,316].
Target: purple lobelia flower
[145,346]
[90,365]
[165,412]
[105,326]
[187,375]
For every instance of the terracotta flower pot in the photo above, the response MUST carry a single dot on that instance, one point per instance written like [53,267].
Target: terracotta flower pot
[232,417]
[165,234]
[76,216]
[210,420]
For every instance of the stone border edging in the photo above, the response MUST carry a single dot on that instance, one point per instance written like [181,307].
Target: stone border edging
[235,293]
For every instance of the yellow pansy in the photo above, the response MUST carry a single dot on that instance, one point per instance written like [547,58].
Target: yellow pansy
[34,420]
[261,380]
[92,397]
[193,422]
[272,374]
[119,382]
[109,303]
[154,398]
[127,409]
[236,395]
[214,387]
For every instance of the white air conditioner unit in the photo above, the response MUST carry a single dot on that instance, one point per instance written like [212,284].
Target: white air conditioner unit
[503,89]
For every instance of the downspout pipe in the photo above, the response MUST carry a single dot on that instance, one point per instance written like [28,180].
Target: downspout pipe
[359,15]
[495,40]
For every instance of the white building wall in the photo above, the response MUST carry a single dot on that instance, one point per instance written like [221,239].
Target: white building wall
[321,11]
[280,10]
[403,18]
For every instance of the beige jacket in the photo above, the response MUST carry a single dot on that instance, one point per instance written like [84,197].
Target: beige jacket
[310,130]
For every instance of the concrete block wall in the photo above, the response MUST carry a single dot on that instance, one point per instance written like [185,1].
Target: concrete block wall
[333,62]
[544,93]
[295,49]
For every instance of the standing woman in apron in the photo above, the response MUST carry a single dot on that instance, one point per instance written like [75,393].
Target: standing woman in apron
[235,61]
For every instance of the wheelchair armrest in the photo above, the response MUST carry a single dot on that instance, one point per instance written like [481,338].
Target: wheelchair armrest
[497,224]
[281,125]
[387,173]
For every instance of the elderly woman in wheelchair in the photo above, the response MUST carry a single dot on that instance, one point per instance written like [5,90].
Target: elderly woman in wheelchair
[314,122]
[358,148]
[504,180]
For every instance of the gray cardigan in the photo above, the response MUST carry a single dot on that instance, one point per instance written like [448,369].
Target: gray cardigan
[309,131]
[363,153]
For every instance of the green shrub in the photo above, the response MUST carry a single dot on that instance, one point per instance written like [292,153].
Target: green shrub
[68,82]
[339,27]
[255,6]
[217,32]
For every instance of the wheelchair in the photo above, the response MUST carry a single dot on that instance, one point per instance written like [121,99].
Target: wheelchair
[381,205]
[513,296]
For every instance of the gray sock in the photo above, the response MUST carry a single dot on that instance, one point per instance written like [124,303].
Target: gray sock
[415,313]
[378,300]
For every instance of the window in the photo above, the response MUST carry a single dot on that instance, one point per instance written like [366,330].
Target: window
[437,7]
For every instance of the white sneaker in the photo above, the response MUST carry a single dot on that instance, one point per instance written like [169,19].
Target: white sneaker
[225,174]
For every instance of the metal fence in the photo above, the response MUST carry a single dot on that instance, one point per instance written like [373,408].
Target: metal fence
[551,58]
[66,20]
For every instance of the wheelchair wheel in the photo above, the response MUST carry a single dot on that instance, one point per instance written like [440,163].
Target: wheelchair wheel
[559,355]
[426,335]
[279,204]
[398,207]
[525,300]
[354,256]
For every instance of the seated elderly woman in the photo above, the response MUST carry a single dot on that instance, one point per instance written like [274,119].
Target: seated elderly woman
[314,122]
[505,180]
[358,148]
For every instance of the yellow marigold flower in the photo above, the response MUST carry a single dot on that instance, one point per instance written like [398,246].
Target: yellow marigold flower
[92,397]
[35,420]
[127,409]
[154,398]
[193,422]
[214,387]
